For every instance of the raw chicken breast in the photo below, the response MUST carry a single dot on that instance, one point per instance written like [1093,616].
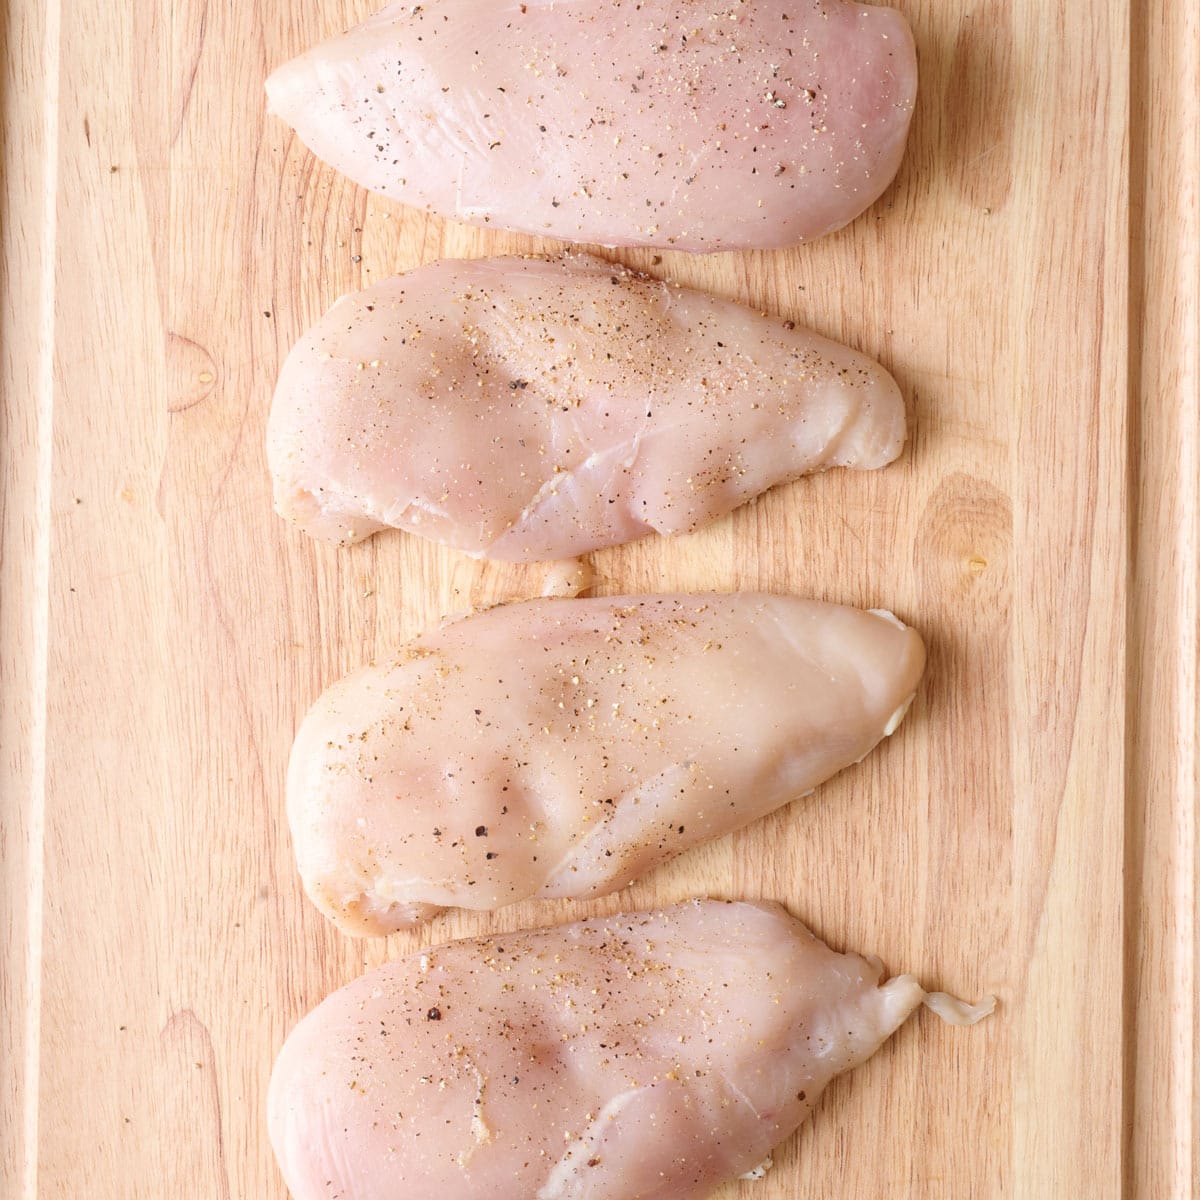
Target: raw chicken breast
[564,747]
[648,1056]
[734,125]
[521,409]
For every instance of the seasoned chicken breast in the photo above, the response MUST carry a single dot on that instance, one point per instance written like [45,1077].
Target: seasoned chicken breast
[520,409]
[735,125]
[565,747]
[648,1056]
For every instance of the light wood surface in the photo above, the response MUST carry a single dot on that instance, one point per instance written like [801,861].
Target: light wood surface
[1162,1100]
[1032,280]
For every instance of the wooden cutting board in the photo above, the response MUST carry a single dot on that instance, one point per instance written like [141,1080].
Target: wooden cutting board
[1031,279]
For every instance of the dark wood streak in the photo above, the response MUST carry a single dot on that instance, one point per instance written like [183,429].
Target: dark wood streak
[179,1036]
[190,71]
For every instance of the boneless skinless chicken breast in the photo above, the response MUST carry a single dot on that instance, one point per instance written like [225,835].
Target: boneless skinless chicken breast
[722,125]
[521,409]
[647,1056]
[561,748]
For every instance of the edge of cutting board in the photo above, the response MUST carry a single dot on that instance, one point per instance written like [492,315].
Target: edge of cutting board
[28,101]
[1163,705]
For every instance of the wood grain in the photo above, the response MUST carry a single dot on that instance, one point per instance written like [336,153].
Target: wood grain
[1032,280]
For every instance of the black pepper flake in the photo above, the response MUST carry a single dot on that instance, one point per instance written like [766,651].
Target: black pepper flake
[481,831]
[517,385]
[434,1014]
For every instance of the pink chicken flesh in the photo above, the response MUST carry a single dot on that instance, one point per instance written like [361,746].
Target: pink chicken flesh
[521,409]
[562,748]
[731,125]
[647,1056]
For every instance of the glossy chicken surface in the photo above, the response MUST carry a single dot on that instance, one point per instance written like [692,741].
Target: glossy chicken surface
[523,409]
[730,125]
[646,1056]
[562,748]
